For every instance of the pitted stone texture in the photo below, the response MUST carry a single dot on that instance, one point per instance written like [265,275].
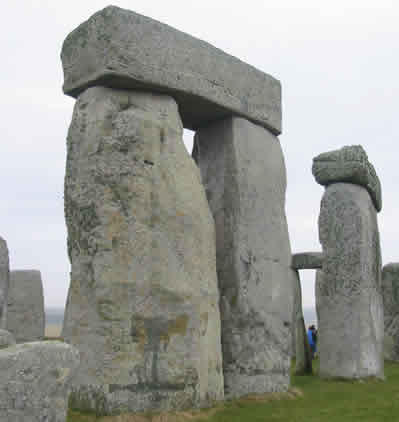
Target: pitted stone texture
[35,381]
[143,300]
[300,345]
[348,290]
[121,49]
[26,318]
[243,172]
[6,339]
[307,261]
[349,164]
[4,282]
[390,292]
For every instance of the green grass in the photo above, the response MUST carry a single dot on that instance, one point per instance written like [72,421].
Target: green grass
[320,401]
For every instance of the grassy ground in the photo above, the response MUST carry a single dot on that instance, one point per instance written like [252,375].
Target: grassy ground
[311,400]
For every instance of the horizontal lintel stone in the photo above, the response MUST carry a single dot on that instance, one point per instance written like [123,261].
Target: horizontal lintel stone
[307,261]
[118,48]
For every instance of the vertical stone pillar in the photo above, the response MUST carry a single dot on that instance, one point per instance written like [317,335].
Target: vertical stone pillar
[244,175]
[4,282]
[348,289]
[143,301]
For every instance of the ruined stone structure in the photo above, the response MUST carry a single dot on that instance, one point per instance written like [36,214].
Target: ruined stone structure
[26,318]
[36,380]
[390,292]
[4,282]
[143,304]
[348,288]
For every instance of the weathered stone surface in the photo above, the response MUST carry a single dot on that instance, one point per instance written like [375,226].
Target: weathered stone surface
[307,260]
[118,48]
[4,282]
[26,318]
[300,345]
[390,292]
[6,339]
[349,164]
[35,381]
[243,171]
[143,300]
[348,290]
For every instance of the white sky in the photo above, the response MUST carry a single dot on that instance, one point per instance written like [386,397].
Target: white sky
[337,62]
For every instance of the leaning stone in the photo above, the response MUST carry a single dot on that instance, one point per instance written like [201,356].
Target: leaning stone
[348,289]
[35,381]
[243,171]
[143,300]
[6,339]
[26,318]
[349,164]
[4,282]
[307,261]
[390,290]
[121,49]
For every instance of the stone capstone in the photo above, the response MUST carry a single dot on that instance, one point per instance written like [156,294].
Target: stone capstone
[118,48]
[243,172]
[307,261]
[26,317]
[390,291]
[348,288]
[4,282]
[35,381]
[142,306]
[6,339]
[349,164]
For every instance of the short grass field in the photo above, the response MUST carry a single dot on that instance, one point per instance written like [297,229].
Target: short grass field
[310,400]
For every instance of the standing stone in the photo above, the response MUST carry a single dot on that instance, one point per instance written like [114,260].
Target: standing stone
[390,291]
[143,301]
[243,171]
[26,318]
[349,299]
[300,345]
[35,381]
[4,282]
[6,339]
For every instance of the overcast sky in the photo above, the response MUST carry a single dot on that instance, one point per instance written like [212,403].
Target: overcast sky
[337,61]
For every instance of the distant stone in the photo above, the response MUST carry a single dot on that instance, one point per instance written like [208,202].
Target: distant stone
[348,289]
[244,175]
[6,339]
[4,282]
[118,48]
[390,290]
[307,260]
[35,381]
[143,303]
[26,318]
[349,164]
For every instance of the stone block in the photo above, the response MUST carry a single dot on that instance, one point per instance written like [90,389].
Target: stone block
[6,339]
[4,282]
[349,164]
[307,260]
[243,171]
[121,49]
[26,317]
[35,381]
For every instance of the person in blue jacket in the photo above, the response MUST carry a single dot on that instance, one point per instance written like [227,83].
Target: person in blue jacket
[312,339]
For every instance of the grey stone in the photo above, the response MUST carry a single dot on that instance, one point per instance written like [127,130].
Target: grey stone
[243,172]
[4,282]
[307,260]
[121,49]
[26,318]
[349,164]
[143,300]
[300,345]
[348,290]
[35,381]
[390,292]
[6,339]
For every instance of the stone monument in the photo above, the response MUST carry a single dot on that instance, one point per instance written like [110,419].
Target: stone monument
[4,282]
